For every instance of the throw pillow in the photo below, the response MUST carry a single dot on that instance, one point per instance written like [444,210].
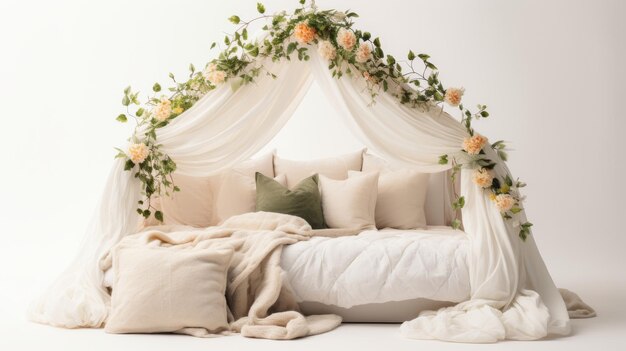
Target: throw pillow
[401,198]
[237,195]
[350,203]
[303,200]
[165,290]
[332,167]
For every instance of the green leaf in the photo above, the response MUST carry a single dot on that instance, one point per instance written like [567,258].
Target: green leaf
[192,68]
[484,114]
[129,165]
[244,34]
[159,216]
[146,213]
[424,57]
[411,56]
[508,180]
[515,210]
[127,90]
[291,47]
[140,112]
[377,42]
[125,100]
[443,159]
[456,224]
[213,45]
[503,155]
[156,87]
[254,52]
[122,118]
[302,2]
[366,36]
[234,19]
[260,7]
[171,75]
[391,60]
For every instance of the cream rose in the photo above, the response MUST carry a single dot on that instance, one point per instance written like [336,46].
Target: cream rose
[474,144]
[162,110]
[327,50]
[363,53]
[346,39]
[214,75]
[504,202]
[483,178]
[453,96]
[138,152]
[304,33]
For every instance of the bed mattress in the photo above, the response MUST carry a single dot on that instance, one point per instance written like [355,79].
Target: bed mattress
[380,266]
[376,267]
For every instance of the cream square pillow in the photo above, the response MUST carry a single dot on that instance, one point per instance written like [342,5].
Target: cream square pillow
[401,199]
[332,167]
[165,290]
[193,204]
[350,203]
[237,195]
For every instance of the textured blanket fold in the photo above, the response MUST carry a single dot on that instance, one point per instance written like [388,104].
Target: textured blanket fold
[259,304]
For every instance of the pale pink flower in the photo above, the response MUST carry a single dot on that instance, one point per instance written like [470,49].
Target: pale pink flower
[453,96]
[504,202]
[474,144]
[327,50]
[483,178]
[363,53]
[346,39]
[138,152]
[304,33]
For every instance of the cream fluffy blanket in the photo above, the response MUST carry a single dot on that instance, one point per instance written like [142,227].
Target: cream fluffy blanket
[259,304]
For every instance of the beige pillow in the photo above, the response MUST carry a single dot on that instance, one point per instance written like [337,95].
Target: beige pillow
[350,203]
[401,199]
[193,204]
[237,195]
[165,290]
[332,167]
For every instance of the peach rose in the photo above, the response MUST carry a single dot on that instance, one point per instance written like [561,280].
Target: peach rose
[138,152]
[363,53]
[327,50]
[453,96]
[483,178]
[163,109]
[474,144]
[346,39]
[504,202]
[369,78]
[304,33]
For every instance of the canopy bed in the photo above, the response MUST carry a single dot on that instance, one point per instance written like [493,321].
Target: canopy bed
[482,276]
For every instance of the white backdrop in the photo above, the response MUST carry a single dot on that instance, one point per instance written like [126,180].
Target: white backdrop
[551,72]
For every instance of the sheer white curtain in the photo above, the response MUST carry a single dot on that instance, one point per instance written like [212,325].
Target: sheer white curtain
[226,127]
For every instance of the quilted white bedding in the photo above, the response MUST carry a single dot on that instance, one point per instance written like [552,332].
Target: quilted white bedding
[380,266]
[377,267]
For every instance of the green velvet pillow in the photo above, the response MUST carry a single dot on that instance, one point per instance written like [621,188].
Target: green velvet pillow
[303,200]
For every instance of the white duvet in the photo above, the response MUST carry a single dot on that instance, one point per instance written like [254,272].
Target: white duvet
[377,266]
[380,266]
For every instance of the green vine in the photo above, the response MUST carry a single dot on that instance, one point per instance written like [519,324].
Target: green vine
[414,81]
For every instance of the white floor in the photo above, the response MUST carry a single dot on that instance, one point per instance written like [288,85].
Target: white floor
[606,332]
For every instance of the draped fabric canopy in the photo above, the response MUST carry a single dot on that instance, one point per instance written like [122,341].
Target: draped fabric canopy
[512,296]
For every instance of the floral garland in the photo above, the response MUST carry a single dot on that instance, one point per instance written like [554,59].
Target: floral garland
[414,82]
